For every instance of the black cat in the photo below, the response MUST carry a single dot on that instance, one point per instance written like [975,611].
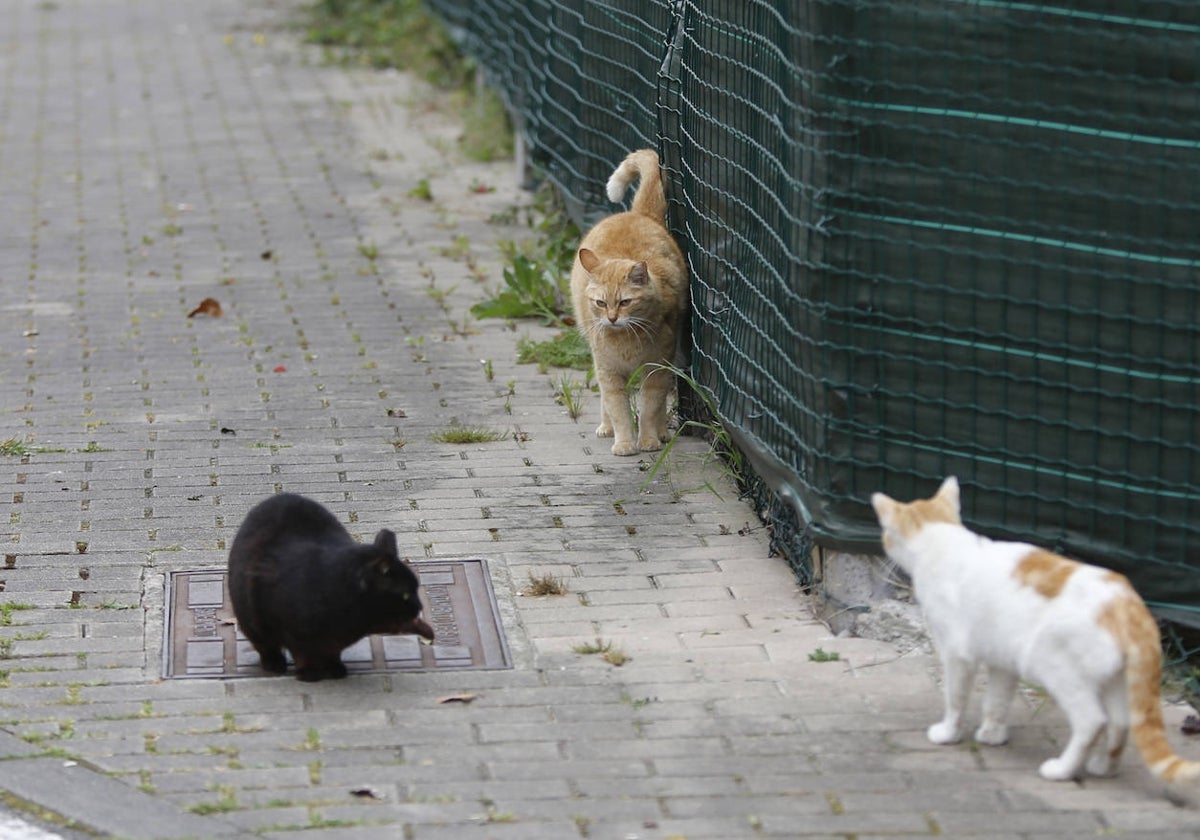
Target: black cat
[298,580]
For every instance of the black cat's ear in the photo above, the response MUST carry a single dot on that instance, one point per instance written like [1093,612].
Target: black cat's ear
[639,275]
[385,541]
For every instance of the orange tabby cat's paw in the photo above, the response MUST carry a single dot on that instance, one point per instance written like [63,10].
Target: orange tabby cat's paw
[604,430]
[625,447]
[650,444]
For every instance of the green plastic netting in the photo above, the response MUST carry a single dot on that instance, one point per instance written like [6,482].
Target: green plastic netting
[925,237]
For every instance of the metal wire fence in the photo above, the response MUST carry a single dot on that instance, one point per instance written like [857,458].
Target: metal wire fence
[926,237]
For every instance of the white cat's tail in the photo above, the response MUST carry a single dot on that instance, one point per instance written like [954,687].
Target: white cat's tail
[1130,621]
[649,199]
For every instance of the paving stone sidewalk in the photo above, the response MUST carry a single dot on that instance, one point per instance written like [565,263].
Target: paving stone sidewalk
[157,153]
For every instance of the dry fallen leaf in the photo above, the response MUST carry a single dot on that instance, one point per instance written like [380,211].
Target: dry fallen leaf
[457,698]
[208,306]
[364,792]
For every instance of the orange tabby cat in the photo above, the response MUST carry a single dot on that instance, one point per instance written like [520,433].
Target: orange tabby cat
[629,287]
[1079,631]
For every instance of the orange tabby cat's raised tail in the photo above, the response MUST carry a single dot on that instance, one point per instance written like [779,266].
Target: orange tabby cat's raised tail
[649,199]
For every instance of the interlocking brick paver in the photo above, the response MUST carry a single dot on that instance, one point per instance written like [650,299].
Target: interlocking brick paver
[156,154]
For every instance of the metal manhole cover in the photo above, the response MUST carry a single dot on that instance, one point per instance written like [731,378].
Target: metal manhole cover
[202,639]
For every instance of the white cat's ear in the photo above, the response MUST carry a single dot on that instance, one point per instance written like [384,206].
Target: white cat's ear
[588,260]
[949,491]
[639,275]
[885,508]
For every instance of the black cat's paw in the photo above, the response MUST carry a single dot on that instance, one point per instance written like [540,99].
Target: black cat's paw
[315,672]
[273,661]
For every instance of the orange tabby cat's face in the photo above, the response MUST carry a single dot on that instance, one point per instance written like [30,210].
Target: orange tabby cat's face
[615,291]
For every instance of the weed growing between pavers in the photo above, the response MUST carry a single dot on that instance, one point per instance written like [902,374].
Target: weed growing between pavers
[570,395]
[608,651]
[821,655]
[545,584]
[459,434]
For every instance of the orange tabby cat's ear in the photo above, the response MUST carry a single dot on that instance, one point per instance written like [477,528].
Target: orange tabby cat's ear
[639,275]
[588,260]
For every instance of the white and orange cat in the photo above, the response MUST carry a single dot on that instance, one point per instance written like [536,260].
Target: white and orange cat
[629,288]
[1079,631]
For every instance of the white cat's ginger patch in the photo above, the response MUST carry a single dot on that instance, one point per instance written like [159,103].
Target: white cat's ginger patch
[1045,572]
[907,519]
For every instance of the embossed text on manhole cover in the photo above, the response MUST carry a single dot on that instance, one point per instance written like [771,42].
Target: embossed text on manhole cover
[202,639]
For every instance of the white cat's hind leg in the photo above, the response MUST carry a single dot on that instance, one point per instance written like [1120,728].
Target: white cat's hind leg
[956,687]
[1106,753]
[1001,687]
[1088,723]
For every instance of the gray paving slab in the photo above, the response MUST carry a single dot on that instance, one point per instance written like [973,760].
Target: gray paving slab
[154,154]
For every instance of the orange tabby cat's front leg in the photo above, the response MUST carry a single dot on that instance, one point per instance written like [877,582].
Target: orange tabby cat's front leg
[615,419]
[652,420]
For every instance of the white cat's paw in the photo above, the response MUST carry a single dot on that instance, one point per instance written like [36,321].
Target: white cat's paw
[944,733]
[604,430]
[1056,770]
[625,447]
[992,734]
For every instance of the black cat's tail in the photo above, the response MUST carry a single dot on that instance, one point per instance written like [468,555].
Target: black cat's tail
[649,199]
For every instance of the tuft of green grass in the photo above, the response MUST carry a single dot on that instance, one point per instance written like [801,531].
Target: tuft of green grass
[608,652]
[570,396]
[820,655]
[568,349]
[457,433]
[709,426]
[422,191]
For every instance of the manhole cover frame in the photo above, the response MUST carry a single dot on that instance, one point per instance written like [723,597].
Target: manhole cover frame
[459,599]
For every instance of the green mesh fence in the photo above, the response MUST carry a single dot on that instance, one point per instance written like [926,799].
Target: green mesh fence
[925,237]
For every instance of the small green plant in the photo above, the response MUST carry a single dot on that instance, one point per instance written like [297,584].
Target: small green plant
[608,652]
[227,801]
[13,446]
[489,371]
[457,433]
[545,584]
[529,292]
[710,428]
[422,191]
[568,349]
[312,741]
[820,655]
[7,610]
[171,229]
[369,250]
[570,396]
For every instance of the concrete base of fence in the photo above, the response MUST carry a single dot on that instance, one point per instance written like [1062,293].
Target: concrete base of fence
[864,595]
